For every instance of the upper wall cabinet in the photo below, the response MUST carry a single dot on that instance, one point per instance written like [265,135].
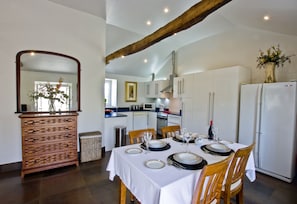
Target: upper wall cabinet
[45,79]
[182,86]
[153,88]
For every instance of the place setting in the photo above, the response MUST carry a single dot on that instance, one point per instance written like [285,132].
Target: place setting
[153,145]
[186,160]
[184,133]
[217,149]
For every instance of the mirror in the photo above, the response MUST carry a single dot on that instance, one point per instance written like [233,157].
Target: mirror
[36,69]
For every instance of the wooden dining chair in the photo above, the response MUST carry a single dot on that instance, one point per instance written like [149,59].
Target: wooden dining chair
[209,186]
[169,131]
[235,176]
[136,136]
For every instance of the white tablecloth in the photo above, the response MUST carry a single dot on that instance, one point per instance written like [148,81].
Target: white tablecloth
[169,184]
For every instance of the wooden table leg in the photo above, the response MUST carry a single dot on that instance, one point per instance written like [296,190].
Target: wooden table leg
[123,193]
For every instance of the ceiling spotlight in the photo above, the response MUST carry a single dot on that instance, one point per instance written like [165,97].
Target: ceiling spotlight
[148,23]
[166,10]
[32,53]
[145,60]
[122,56]
[266,18]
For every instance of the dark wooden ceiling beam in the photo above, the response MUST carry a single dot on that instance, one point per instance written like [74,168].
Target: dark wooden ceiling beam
[189,18]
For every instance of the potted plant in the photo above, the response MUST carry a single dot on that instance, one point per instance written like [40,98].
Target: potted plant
[271,59]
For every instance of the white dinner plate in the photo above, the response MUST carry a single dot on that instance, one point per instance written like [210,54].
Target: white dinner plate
[187,158]
[133,151]
[217,147]
[154,164]
[157,144]
[180,137]
[225,142]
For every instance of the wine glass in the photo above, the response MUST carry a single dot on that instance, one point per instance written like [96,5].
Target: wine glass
[147,136]
[187,137]
[215,131]
[183,132]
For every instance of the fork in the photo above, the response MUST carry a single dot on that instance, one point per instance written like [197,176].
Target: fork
[175,164]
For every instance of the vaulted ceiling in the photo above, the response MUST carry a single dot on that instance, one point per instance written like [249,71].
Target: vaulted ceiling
[126,23]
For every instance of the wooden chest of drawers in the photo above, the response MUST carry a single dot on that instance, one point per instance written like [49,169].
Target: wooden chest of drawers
[48,141]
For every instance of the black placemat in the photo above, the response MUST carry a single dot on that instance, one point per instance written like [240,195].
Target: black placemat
[167,146]
[205,149]
[187,166]
[179,140]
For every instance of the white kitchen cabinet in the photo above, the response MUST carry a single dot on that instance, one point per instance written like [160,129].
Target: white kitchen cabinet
[174,120]
[188,114]
[182,86]
[153,88]
[129,120]
[152,120]
[139,120]
[109,131]
[216,97]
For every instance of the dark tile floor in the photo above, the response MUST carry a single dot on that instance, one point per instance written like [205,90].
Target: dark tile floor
[89,183]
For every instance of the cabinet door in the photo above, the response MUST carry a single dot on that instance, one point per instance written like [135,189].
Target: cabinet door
[139,120]
[109,137]
[226,99]
[147,89]
[152,120]
[129,120]
[182,86]
[153,88]
[187,114]
[202,98]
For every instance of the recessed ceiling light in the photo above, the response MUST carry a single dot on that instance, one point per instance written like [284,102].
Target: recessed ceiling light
[166,10]
[148,23]
[122,56]
[266,17]
[145,60]
[32,53]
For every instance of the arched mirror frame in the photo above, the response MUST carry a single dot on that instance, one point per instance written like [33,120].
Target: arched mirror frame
[18,78]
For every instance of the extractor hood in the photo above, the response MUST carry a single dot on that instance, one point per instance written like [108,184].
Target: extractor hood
[169,88]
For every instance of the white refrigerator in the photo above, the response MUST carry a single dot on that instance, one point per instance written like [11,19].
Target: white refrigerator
[268,118]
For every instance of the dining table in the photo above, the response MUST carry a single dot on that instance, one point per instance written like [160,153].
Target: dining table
[152,179]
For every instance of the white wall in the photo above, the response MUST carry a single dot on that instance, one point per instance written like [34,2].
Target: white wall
[42,25]
[239,46]
[121,79]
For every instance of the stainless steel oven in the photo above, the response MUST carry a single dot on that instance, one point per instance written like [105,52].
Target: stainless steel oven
[162,119]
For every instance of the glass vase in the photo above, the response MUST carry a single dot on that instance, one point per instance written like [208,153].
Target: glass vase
[51,106]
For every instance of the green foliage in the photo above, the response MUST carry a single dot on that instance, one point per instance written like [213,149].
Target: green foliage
[50,92]
[274,55]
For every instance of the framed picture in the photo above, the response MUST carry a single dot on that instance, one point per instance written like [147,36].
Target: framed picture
[130,91]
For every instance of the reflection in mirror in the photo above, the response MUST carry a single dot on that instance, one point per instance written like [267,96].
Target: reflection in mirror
[47,82]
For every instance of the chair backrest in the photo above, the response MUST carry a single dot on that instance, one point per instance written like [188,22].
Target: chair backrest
[136,136]
[209,186]
[237,167]
[169,131]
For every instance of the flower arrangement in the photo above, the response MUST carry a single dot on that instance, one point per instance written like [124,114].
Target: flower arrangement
[274,55]
[50,92]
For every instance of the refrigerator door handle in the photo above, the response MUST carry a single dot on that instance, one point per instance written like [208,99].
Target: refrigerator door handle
[213,100]
[209,107]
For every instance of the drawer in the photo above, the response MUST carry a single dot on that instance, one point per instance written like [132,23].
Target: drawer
[37,130]
[46,148]
[174,119]
[49,159]
[31,139]
[48,121]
